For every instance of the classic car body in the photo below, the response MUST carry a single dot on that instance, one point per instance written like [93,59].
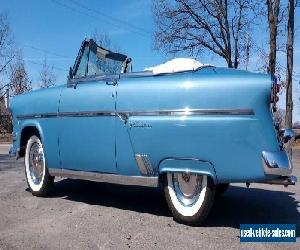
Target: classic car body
[132,128]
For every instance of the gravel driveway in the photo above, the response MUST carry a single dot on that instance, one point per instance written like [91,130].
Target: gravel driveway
[82,214]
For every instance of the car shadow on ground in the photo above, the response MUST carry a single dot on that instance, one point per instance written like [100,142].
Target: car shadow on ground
[135,198]
[254,206]
[238,205]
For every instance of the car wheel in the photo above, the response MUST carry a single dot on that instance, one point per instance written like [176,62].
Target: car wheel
[189,196]
[221,189]
[38,179]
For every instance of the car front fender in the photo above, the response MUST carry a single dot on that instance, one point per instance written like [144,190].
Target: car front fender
[35,124]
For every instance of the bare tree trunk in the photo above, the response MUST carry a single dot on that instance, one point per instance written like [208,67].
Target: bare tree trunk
[289,70]
[216,26]
[227,29]
[273,11]
[247,50]
[7,98]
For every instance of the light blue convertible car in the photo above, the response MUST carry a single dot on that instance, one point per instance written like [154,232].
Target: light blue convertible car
[192,132]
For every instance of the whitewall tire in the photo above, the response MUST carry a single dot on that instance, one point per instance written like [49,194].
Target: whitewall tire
[189,196]
[38,179]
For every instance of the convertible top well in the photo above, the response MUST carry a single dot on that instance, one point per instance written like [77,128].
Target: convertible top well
[176,65]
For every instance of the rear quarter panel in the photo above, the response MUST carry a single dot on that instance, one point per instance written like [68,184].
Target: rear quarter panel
[232,143]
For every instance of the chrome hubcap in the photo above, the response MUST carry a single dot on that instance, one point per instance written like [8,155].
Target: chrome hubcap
[36,163]
[187,187]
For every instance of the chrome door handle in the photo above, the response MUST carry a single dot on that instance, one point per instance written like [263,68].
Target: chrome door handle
[113,83]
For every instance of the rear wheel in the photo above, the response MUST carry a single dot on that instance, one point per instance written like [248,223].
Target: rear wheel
[189,196]
[38,179]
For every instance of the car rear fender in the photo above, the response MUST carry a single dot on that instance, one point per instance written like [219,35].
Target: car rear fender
[188,165]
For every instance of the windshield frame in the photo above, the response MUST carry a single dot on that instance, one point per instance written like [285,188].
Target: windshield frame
[98,51]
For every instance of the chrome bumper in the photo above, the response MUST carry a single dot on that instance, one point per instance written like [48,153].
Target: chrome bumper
[284,180]
[276,163]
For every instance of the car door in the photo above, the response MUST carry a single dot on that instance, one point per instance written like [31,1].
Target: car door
[87,121]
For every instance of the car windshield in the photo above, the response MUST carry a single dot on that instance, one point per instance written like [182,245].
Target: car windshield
[81,68]
[95,60]
[101,63]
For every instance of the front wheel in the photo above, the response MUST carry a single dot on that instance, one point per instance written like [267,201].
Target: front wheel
[38,179]
[189,196]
